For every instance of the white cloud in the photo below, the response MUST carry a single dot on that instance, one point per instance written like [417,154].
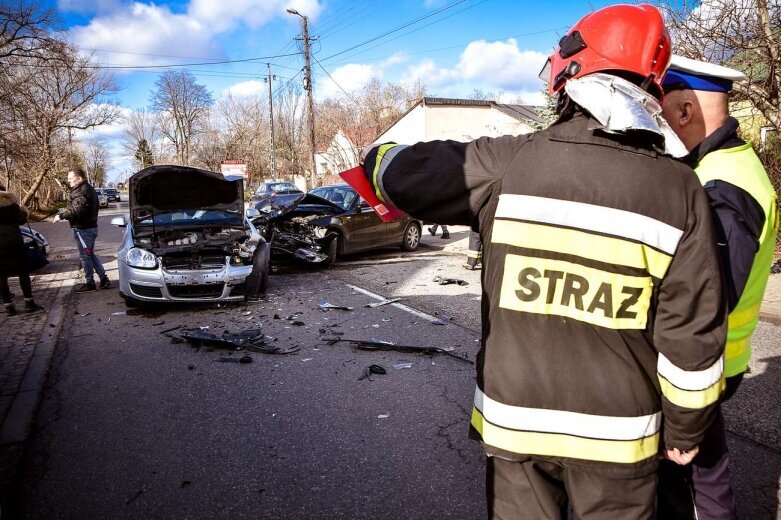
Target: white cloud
[147,28]
[246,88]
[491,66]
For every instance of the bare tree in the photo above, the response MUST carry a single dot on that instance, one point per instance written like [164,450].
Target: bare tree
[66,94]
[139,126]
[183,106]
[745,34]
[96,162]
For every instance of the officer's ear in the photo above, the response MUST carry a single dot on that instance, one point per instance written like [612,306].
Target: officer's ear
[686,110]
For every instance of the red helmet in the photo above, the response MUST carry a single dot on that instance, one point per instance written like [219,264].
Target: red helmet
[618,38]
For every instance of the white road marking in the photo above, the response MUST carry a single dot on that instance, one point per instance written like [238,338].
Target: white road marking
[414,312]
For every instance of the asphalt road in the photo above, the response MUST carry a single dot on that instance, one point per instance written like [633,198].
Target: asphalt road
[134,425]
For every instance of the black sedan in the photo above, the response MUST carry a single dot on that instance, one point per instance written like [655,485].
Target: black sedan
[112,194]
[330,221]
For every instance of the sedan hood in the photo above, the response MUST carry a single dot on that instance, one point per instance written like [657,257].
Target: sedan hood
[275,208]
[168,188]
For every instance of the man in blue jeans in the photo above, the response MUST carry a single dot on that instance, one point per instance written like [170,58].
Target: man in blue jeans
[82,214]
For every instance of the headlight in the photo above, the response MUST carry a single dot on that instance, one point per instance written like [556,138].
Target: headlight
[141,258]
[319,232]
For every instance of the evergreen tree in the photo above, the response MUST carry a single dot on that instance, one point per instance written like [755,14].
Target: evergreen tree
[144,154]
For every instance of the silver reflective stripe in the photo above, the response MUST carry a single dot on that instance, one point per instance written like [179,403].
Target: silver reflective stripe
[690,379]
[386,160]
[601,219]
[569,423]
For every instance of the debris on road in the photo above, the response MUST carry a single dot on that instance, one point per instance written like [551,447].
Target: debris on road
[372,369]
[443,280]
[383,302]
[326,306]
[383,416]
[252,339]
[374,344]
[108,321]
[119,313]
[400,366]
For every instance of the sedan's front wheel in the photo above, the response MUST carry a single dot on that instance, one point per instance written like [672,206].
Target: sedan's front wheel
[411,239]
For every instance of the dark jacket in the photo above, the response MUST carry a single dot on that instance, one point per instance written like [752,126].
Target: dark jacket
[603,314]
[13,259]
[82,210]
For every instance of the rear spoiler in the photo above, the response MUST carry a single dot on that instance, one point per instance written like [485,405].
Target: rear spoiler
[356,177]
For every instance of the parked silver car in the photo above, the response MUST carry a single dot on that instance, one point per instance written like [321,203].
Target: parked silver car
[188,239]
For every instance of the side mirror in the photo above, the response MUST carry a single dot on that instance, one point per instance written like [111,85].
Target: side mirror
[119,222]
[252,213]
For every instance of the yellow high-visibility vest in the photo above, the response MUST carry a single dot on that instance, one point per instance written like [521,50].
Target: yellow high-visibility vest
[741,167]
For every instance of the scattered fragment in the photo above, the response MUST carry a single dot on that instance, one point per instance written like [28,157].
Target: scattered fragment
[108,321]
[190,367]
[204,327]
[246,358]
[376,326]
[171,329]
[276,317]
[247,313]
[439,322]
[85,314]
[251,339]
[381,303]
[374,344]
[119,313]
[383,416]
[185,483]
[442,280]
[372,369]
[400,366]
[307,359]
[386,320]
[158,323]
[297,323]
[326,306]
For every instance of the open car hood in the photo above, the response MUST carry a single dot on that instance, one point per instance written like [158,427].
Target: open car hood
[274,209]
[170,188]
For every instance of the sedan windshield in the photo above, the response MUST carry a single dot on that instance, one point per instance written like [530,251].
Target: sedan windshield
[341,195]
[282,187]
[193,218]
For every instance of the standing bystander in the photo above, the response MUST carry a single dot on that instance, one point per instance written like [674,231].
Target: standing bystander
[13,260]
[82,213]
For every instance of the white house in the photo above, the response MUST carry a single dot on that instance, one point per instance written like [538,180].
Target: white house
[341,154]
[460,120]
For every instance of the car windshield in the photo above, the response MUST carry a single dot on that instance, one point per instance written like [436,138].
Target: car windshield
[341,195]
[198,217]
[282,187]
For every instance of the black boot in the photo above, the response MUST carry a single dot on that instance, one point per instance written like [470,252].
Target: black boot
[105,283]
[10,309]
[31,306]
[87,287]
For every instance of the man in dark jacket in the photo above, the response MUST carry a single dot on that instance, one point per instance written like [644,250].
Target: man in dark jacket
[603,317]
[82,213]
[13,260]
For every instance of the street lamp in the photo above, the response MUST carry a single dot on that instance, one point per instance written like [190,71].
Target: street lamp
[308,88]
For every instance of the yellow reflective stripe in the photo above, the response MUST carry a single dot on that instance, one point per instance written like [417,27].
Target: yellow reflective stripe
[544,286]
[377,166]
[743,317]
[473,254]
[587,245]
[692,399]
[736,356]
[563,445]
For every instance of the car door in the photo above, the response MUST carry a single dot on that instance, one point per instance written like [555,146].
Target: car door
[363,229]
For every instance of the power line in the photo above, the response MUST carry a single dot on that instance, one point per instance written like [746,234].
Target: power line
[347,23]
[337,84]
[396,29]
[168,66]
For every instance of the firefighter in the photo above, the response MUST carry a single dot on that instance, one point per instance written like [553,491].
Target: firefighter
[603,323]
[743,202]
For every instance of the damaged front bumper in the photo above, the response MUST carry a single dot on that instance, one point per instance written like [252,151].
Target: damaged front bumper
[183,285]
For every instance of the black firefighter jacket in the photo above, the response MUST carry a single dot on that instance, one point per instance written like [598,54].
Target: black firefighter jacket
[603,319]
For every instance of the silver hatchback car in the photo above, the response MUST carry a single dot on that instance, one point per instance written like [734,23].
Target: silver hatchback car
[188,239]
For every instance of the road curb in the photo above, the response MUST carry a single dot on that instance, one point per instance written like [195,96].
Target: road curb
[18,421]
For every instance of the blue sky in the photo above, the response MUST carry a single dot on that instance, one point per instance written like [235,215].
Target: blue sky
[452,46]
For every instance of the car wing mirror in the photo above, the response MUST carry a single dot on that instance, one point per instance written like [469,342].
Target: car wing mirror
[119,222]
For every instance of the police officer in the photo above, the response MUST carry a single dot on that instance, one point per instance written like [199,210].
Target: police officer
[602,309]
[743,201]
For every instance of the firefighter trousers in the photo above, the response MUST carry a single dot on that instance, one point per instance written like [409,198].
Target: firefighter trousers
[538,489]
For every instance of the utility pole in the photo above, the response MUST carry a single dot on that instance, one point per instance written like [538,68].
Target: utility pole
[309,101]
[271,109]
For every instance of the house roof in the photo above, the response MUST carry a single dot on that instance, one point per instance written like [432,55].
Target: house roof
[521,113]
